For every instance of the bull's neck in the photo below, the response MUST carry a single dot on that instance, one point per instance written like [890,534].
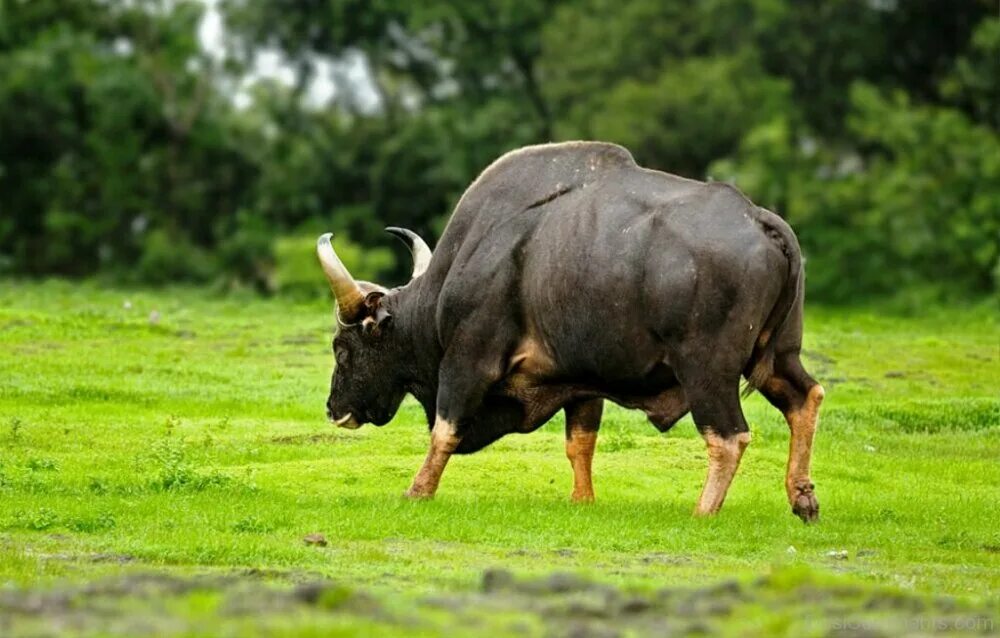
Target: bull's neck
[413,308]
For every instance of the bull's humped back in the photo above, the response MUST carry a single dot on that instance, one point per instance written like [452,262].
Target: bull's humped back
[525,179]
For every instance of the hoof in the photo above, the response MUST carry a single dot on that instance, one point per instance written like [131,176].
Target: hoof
[582,499]
[804,503]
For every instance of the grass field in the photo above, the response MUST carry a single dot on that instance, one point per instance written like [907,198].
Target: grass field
[163,454]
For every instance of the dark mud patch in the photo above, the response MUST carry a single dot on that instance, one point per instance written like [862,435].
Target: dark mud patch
[301,340]
[819,357]
[660,558]
[99,557]
[789,602]
[569,605]
[162,604]
[15,323]
[920,376]
[311,439]
[979,356]
[111,557]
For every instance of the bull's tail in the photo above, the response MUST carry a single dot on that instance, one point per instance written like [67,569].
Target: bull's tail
[761,365]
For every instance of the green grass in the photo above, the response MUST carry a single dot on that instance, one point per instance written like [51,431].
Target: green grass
[198,443]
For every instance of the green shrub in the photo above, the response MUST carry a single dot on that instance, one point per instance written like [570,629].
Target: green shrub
[170,258]
[41,519]
[90,524]
[253,525]
[42,465]
[175,472]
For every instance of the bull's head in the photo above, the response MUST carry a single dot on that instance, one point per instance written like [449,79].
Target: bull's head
[366,386]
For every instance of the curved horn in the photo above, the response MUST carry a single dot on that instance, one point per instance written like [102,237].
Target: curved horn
[418,248]
[345,290]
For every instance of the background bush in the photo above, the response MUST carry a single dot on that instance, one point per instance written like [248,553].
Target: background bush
[127,149]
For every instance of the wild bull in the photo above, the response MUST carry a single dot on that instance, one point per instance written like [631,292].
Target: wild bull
[568,275]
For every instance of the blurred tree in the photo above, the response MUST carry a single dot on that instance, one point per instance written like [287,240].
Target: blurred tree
[871,124]
[418,53]
[456,83]
[974,82]
[592,45]
[695,111]
[921,208]
[113,139]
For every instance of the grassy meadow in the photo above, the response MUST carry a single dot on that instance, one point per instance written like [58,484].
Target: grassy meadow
[178,439]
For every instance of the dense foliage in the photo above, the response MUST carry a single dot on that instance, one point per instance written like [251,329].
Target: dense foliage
[872,125]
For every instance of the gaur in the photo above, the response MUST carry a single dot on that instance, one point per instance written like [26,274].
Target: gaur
[568,275]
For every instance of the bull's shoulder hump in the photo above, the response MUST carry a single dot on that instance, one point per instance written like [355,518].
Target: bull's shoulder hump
[580,149]
[584,154]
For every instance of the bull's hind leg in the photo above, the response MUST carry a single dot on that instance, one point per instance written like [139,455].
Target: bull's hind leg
[583,419]
[798,396]
[719,418]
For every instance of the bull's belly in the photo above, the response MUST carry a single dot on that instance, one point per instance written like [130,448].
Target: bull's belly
[506,411]
[518,405]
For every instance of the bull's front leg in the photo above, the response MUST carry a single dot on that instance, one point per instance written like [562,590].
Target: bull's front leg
[461,390]
[583,419]
[719,418]
[444,440]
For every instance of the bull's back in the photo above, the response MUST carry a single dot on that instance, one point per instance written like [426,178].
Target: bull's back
[615,279]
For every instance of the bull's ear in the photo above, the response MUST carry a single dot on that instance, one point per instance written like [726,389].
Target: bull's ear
[376,316]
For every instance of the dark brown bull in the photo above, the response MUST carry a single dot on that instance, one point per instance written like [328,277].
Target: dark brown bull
[568,275]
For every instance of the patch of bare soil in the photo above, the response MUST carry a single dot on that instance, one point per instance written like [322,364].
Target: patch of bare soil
[572,606]
[153,604]
[318,437]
